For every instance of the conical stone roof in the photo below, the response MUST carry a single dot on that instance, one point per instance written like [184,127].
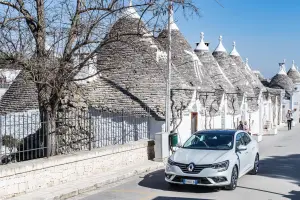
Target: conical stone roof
[294,74]
[282,81]
[246,71]
[20,96]
[232,70]
[133,72]
[212,67]
[186,61]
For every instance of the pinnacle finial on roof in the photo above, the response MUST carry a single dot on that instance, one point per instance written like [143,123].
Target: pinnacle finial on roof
[201,46]
[220,47]
[247,64]
[234,51]
[293,66]
[283,65]
[130,12]
[201,36]
[173,25]
[281,69]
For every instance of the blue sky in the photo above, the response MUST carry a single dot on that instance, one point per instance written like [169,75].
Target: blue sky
[265,31]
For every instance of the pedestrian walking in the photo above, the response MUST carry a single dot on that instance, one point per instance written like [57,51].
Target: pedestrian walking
[245,126]
[289,118]
[241,126]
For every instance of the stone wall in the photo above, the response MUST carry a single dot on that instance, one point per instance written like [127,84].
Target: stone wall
[28,176]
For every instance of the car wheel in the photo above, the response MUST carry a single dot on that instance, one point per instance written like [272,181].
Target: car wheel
[254,171]
[234,179]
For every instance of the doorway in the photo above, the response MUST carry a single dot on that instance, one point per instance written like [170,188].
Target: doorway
[194,122]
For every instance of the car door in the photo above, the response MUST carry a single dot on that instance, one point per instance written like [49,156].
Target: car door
[242,155]
[250,154]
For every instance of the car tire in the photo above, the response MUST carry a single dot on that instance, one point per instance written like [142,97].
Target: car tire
[234,179]
[255,169]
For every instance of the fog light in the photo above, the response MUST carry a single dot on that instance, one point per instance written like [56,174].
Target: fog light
[168,176]
[219,179]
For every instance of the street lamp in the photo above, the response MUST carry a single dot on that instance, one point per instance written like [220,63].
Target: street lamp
[169,64]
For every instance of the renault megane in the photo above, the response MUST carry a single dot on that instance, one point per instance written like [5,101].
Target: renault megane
[213,158]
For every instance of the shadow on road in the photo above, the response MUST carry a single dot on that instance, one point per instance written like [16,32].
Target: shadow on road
[155,180]
[177,198]
[281,167]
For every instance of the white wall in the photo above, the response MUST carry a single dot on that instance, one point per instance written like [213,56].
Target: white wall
[254,122]
[217,122]
[296,103]
[184,129]
[285,107]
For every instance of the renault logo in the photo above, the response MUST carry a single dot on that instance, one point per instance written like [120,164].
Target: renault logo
[191,167]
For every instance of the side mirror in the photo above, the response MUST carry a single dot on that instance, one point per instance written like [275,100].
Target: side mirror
[242,148]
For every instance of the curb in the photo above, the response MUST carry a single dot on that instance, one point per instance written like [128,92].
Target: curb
[88,186]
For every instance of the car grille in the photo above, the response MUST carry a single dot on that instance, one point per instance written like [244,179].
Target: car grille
[201,180]
[197,169]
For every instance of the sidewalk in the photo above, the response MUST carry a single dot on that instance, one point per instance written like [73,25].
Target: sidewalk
[68,190]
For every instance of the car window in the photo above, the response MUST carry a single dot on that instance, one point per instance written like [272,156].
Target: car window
[210,140]
[239,139]
[246,138]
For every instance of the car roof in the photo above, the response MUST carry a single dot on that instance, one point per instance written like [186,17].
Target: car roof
[223,131]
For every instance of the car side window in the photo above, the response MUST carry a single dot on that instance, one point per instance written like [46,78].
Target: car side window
[239,139]
[246,138]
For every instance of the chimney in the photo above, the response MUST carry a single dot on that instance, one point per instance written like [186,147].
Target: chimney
[207,44]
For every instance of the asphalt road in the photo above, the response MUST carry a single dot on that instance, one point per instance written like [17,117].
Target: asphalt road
[278,179]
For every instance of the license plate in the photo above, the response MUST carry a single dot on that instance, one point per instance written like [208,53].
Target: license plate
[190,182]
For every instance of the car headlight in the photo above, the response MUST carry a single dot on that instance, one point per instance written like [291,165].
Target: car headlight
[221,166]
[170,162]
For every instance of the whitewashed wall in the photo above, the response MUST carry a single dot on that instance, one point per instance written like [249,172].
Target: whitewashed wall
[217,122]
[285,107]
[296,103]
[254,122]
[229,121]
[184,129]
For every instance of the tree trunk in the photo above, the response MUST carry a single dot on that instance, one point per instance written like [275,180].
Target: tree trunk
[48,108]
[48,120]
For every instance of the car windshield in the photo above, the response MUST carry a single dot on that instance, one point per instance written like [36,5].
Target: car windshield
[211,140]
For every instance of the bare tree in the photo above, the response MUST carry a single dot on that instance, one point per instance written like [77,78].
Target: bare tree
[232,100]
[43,37]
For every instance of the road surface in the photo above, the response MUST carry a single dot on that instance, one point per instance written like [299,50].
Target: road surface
[278,179]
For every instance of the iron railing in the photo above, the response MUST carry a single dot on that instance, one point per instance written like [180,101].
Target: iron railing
[24,136]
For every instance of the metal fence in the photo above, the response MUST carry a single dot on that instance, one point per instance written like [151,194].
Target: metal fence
[24,136]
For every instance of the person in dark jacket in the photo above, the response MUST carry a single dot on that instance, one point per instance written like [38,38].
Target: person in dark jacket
[289,118]
[241,126]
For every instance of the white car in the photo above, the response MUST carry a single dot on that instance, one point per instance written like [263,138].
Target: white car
[213,158]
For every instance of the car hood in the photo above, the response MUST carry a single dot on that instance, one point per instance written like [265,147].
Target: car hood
[200,156]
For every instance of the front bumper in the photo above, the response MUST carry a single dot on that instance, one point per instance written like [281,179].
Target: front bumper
[206,177]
